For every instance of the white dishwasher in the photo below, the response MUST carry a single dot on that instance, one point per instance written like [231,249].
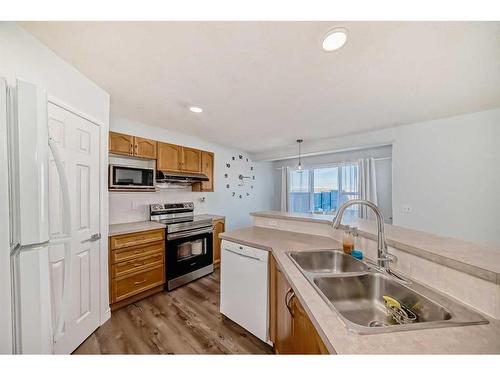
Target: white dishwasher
[244,287]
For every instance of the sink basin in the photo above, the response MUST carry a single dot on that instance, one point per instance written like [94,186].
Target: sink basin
[327,261]
[358,299]
[354,290]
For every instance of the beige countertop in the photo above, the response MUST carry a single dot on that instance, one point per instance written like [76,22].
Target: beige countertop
[477,339]
[471,258]
[139,226]
[216,217]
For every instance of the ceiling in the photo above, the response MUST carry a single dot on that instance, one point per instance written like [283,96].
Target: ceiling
[262,85]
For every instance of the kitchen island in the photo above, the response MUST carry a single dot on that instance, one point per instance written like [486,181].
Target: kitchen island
[476,339]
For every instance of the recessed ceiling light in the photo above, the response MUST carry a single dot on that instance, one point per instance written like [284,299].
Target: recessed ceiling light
[196,109]
[334,39]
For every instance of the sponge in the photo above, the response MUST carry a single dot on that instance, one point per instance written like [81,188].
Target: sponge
[391,302]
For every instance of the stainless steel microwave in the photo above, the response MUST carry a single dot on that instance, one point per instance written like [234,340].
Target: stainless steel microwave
[123,177]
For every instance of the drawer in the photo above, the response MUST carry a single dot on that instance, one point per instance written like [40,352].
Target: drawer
[138,264]
[128,286]
[134,239]
[129,253]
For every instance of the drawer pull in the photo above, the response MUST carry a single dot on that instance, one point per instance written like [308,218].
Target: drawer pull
[290,294]
[140,282]
[138,264]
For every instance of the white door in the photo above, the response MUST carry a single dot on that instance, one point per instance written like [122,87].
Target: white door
[77,140]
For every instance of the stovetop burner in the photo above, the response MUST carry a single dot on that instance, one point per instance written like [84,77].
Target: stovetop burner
[178,216]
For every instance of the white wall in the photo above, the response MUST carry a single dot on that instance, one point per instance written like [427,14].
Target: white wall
[129,207]
[22,56]
[447,170]
[383,169]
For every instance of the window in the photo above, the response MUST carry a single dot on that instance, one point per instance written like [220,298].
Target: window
[300,192]
[324,190]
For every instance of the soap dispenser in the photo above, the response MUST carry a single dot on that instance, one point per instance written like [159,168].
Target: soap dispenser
[356,253]
[348,240]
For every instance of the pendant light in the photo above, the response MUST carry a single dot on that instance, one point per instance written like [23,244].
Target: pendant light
[300,168]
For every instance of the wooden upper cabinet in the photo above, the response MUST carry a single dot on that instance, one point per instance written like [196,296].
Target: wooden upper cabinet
[124,144]
[169,157]
[144,148]
[121,144]
[207,168]
[191,160]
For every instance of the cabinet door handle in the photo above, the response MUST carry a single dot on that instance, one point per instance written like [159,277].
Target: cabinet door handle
[288,298]
[140,282]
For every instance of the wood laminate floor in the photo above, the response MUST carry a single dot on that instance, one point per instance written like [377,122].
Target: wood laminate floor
[183,321]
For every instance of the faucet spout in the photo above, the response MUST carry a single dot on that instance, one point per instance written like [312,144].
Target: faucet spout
[383,257]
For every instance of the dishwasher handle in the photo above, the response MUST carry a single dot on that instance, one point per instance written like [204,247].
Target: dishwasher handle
[242,254]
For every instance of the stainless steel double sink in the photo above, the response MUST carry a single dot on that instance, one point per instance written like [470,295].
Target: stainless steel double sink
[354,289]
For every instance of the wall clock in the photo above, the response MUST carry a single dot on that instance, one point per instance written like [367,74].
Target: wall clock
[239,177]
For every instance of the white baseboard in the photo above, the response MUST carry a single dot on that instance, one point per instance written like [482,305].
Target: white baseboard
[105,316]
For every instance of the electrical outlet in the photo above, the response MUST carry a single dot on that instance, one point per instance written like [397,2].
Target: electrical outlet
[406,209]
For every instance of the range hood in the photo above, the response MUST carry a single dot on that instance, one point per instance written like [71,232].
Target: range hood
[173,180]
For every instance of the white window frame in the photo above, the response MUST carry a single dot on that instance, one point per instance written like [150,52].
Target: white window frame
[310,171]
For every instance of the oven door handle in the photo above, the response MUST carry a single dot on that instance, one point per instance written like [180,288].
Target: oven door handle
[174,236]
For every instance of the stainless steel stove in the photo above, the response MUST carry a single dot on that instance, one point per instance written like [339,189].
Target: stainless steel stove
[188,242]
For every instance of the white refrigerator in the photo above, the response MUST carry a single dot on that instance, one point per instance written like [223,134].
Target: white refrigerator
[6,344]
[24,203]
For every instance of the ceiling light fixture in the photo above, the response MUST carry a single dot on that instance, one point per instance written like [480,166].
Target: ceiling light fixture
[334,39]
[300,168]
[195,109]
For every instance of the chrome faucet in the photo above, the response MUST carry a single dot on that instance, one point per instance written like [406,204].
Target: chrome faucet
[383,257]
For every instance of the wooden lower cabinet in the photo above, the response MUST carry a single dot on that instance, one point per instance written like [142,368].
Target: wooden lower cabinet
[136,266]
[219,227]
[291,330]
[128,286]
[134,239]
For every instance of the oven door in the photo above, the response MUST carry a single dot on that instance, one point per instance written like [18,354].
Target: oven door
[188,251]
[124,177]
